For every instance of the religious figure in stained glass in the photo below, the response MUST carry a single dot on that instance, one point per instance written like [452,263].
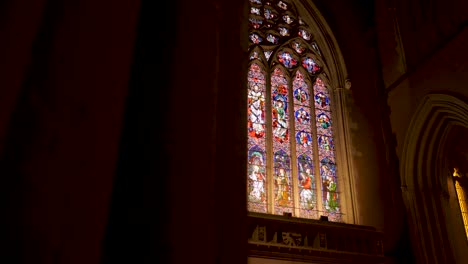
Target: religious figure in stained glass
[323,120]
[301,95]
[282,182]
[282,178]
[279,116]
[306,182]
[256,176]
[310,65]
[287,59]
[302,116]
[325,143]
[256,101]
[304,138]
[321,99]
[280,106]
[331,203]
[327,170]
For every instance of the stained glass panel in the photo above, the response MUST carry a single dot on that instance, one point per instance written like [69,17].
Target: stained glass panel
[257,188]
[304,34]
[283,183]
[255,38]
[324,124]
[304,147]
[283,141]
[316,48]
[302,116]
[322,97]
[254,55]
[257,199]
[310,65]
[298,46]
[256,22]
[326,151]
[288,19]
[272,38]
[301,95]
[281,148]
[283,5]
[279,97]
[329,186]
[255,10]
[269,13]
[256,103]
[307,191]
[284,31]
[268,54]
[287,59]
[326,146]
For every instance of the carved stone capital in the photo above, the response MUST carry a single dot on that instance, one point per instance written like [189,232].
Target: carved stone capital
[347,84]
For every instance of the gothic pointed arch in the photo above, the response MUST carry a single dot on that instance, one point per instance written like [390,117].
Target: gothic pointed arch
[427,179]
[298,154]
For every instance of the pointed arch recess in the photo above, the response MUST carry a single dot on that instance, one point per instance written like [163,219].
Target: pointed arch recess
[424,181]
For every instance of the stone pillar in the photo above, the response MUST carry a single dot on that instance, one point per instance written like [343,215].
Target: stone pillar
[206,134]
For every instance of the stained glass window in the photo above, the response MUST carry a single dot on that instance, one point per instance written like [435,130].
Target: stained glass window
[460,187]
[291,152]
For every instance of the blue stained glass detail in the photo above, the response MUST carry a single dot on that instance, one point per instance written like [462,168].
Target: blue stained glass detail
[302,116]
[269,14]
[304,138]
[310,65]
[255,38]
[287,59]
[322,100]
[272,39]
[301,95]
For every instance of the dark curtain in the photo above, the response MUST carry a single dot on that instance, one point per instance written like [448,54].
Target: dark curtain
[122,132]
[65,69]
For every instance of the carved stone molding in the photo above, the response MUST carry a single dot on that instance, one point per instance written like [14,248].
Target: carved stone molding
[291,238]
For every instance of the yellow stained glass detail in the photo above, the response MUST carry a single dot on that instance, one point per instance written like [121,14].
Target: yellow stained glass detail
[461,199]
